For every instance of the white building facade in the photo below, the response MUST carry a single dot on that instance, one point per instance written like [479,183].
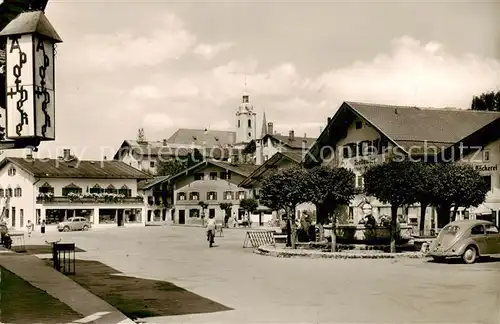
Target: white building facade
[104,192]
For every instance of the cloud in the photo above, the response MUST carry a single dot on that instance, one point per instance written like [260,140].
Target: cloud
[209,51]
[167,41]
[156,122]
[412,73]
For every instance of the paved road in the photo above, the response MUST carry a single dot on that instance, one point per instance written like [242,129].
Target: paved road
[269,290]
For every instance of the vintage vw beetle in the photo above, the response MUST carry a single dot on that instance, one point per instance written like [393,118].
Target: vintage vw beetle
[468,239]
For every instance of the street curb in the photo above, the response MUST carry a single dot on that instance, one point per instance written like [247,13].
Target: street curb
[285,253]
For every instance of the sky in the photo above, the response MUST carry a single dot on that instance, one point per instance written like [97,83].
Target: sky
[162,65]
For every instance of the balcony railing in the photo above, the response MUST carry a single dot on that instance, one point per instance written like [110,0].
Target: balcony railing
[48,199]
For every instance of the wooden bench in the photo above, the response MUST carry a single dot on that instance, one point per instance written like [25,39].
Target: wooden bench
[259,238]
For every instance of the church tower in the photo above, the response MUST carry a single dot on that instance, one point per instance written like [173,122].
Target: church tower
[246,121]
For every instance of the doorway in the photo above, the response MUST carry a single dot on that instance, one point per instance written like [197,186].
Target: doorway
[119,218]
[211,212]
[182,217]
[149,216]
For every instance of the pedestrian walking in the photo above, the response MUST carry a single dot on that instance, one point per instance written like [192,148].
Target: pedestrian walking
[42,228]
[30,227]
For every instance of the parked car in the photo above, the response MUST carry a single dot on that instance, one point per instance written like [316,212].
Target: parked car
[74,224]
[468,239]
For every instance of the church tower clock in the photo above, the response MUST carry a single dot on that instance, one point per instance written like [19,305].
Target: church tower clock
[246,121]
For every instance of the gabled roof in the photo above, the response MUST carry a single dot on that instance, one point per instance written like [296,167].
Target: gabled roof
[408,127]
[204,137]
[257,174]
[10,9]
[157,149]
[148,184]
[52,168]
[298,143]
[31,22]
[241,169]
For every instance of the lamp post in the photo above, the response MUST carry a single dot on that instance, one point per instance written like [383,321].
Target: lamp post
[29,115]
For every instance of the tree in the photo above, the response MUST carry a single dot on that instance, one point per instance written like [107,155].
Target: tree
[486,101]
[194,158]
[424,183]
[170,167]
[392,183]
[249,205]
[226,207]
[456,185]
[284,189]
[328,189]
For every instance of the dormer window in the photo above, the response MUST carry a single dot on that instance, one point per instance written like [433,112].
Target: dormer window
[124,190]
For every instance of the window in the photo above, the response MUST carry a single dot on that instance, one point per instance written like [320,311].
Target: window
[194,196]
[491,229]
[487,180]
[18,192]
[249,134]
[486,155]
[181,196]
[2,193]
[225,175]
[71,188]
[38,219]
[46,188]
[9,192]
[198,176]
[12,171]
[152,164]
[194,213]
[213,175]
[477,230]
[111,189]
[239,124]
[241,195]
[359,181]
[228,195]
[211,195]
[21,217]
[345,151]
[359,125]
[124,190]
[96,189]
[249,123]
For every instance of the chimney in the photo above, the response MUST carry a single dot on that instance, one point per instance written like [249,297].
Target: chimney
[291,135]
[66,154]
[165,142]
[270,130]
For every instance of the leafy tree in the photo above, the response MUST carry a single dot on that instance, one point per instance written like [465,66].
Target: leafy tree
[456,185]
[170,167]
[486,101]
[226,207]
[424,184]
[328,188]
[284,190]
[392,183]
[194,158]
[249,205]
